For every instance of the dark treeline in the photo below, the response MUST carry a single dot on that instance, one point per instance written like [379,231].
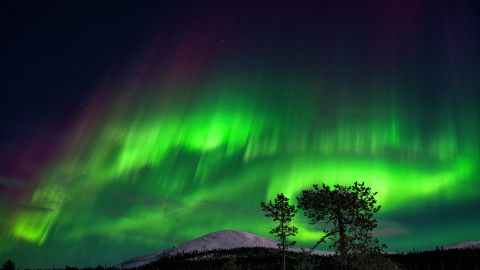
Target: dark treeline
[439,259]
[267,258]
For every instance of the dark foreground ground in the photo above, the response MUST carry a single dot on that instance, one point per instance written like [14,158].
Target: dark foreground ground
[264,258]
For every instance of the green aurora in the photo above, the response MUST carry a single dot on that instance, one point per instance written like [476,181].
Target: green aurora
[186,167]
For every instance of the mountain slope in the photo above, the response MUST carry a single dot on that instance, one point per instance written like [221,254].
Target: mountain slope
[470,244]
[227,239]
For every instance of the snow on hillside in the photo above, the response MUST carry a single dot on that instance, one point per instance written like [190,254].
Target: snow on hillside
[227,239]
[470,244]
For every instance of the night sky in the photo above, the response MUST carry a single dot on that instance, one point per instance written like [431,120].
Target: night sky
[129,128]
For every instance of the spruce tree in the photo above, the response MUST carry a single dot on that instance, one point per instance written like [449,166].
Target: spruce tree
[282,213]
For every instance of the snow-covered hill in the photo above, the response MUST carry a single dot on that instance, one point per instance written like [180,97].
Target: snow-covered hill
[227,239]
[470,244]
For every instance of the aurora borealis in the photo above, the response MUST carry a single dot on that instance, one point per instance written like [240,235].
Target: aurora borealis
[210,107]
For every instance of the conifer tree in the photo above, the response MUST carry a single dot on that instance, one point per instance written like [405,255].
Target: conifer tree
[282,213]
[346,216]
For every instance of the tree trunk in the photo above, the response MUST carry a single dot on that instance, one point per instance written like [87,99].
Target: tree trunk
[283,246]
[343,240]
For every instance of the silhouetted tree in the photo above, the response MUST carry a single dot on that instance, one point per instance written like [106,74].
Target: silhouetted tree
[8,265]
[346,215]
[282,213]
